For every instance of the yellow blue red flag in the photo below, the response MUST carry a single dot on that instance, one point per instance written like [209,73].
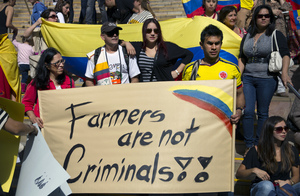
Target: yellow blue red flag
[295,18]
[74,41]
[194,7]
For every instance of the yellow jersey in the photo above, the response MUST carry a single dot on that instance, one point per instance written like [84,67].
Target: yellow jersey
[220,70]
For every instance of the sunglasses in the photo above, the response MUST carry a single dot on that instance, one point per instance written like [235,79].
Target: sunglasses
[156,31]
[112,33]
[56,64]
[280,129]
[53,16]
[263,15]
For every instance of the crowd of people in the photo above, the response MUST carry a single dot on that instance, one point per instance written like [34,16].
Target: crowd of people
[268,155]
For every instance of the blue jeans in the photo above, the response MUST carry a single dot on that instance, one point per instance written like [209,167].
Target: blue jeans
[82,11]
[91,17]
[24,68]
[71,17]
[297,188]
[263,188]
[260,91]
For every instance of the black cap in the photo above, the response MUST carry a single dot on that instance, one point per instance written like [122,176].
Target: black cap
[109,26]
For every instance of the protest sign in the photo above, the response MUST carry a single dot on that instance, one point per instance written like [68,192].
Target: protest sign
[40,173]
[9,144]
[160,137]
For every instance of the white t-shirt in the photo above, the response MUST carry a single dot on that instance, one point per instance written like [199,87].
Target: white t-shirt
[61,18]
[114,67]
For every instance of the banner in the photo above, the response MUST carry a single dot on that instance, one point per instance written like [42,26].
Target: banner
[9,144]
[295,18]
[160,137]
[74,41]
[194,7]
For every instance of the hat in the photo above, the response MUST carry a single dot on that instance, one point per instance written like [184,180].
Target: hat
[109,26]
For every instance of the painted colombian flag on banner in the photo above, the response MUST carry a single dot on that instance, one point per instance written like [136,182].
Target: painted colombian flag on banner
[74,41]
[294,18]
[194,7]
[295,4]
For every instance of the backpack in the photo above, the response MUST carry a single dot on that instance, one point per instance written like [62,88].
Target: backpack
[126,57]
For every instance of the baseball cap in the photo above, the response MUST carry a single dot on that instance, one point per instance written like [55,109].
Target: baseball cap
[109,26]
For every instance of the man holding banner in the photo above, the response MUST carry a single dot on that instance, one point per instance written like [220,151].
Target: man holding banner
[109,64]
[212,67]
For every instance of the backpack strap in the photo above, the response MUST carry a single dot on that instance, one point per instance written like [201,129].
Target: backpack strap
[96,55]
[126,57]
[195,70]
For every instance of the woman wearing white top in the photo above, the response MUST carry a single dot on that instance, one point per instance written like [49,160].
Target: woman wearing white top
[62,9]
[144,12]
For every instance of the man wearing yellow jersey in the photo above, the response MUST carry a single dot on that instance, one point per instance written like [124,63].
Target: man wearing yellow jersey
[212,67]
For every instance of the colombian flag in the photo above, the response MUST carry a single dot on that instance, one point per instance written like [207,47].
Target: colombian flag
[194,7]
[74,41]
[294,18]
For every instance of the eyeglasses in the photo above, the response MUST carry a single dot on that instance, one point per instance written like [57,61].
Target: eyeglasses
[156,31]
[57,64]
[112,33]
[280,129]
[53,16]
[263,15]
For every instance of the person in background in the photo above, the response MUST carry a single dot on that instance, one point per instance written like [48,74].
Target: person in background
[119,10]
[156,57]
[144,12]
[244,14]
[37,10]
[15,127]
[50,75]
[228,17]
[210,8]
[90,12]
[273,162]
[259,83]
[71,15]
[25,50]
[62,9]
[6,17]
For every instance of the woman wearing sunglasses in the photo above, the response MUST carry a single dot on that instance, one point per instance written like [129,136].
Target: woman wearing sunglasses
[49,75]
[259,84]
[156,57]
[273,162]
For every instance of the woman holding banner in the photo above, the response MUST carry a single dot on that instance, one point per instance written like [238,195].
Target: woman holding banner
[50,75]
[155,56]
[260,84]
[272,160]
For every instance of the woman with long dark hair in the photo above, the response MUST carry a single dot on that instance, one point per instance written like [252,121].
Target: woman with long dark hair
[62,9]
[260,84]
[272,160]
[156,57]
[50,75]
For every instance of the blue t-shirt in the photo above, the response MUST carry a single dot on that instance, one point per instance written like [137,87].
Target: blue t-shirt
[37,9]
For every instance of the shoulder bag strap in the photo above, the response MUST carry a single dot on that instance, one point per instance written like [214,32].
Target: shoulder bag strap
[154,64]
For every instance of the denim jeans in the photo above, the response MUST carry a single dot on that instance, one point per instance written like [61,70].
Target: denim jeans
[82,11]
[91,17]
[260,91]
[297,188]
[24,68]
[71,17]
[263,188]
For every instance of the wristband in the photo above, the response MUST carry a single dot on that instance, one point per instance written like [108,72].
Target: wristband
[177,72]
[292,182]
